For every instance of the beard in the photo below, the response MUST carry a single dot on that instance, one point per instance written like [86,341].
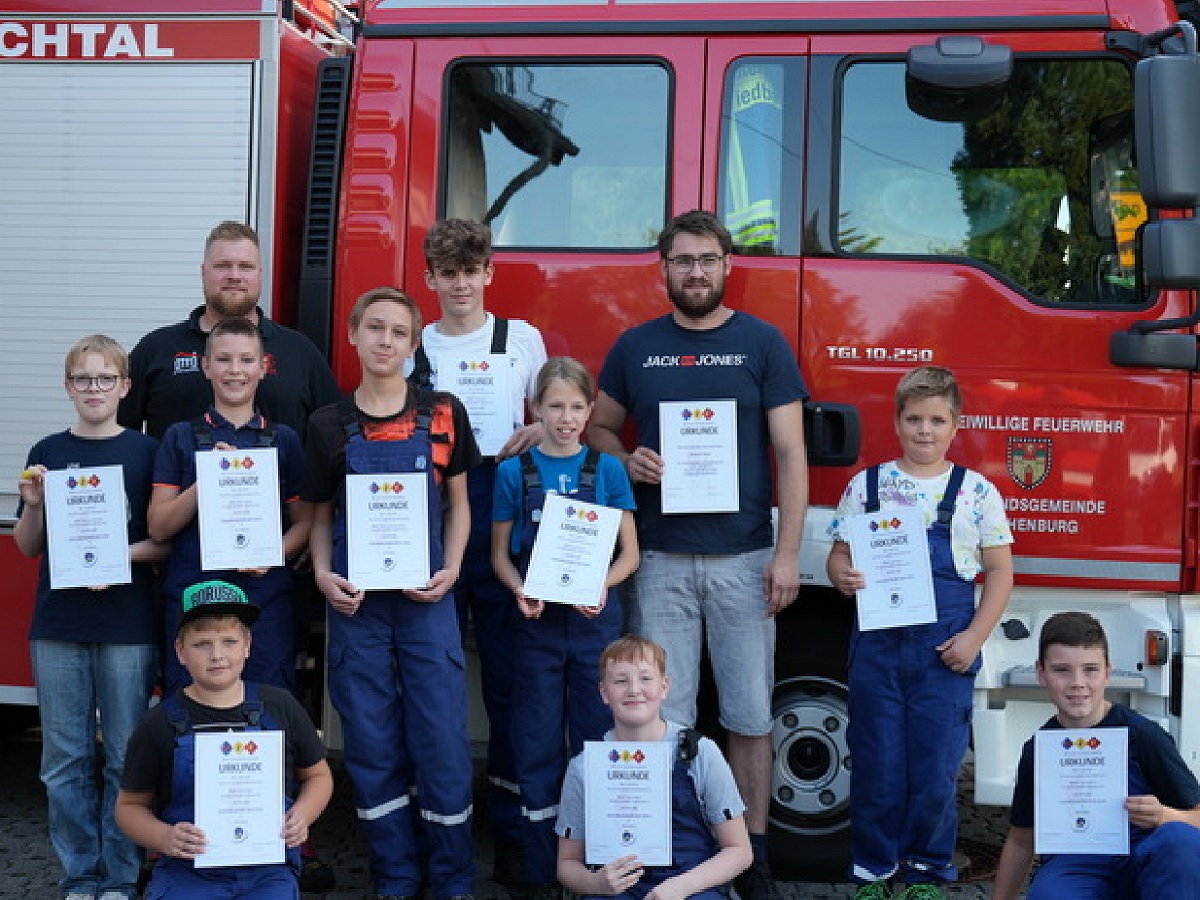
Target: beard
[234,305]
[693,305]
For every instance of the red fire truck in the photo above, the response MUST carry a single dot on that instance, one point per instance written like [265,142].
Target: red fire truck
[907,181]
[130,129]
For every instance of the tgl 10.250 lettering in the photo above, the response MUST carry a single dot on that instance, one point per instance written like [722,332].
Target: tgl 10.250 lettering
[882,354]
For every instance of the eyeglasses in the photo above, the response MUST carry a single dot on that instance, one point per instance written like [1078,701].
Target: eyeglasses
[104,383]
[709,262]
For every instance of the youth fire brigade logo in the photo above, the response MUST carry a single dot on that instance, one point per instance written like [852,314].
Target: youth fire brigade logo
[1029,460]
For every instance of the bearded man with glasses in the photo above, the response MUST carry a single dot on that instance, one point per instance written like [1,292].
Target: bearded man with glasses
[712,569]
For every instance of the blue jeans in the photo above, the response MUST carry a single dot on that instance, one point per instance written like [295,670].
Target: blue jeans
[73,681]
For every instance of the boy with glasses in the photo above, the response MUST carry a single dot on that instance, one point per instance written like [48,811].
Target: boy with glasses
[93,647]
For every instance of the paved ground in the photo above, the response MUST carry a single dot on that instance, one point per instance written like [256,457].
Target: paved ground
[30,870]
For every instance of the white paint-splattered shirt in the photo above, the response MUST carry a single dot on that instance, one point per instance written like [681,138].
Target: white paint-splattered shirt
[979,517]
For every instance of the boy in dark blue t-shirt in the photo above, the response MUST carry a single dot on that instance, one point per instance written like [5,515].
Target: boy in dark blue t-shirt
[94,647]
[235,364]
[1164,796]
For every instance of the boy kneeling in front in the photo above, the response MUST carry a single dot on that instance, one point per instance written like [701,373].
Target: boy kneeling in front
[156,805]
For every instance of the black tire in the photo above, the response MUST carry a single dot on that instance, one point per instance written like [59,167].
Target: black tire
[810,782]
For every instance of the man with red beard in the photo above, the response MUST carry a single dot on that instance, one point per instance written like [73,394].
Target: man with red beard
[167,384]
[714,569]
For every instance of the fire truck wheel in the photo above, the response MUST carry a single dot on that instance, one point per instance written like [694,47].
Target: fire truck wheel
[810,784]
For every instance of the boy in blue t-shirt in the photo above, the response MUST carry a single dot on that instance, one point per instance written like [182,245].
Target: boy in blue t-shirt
[235,364]
[556,648]
[1164,796]
[93,648]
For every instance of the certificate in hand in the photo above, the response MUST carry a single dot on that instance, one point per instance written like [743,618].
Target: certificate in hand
[483,385]
[388,531]
[1081,779]
[237,504]
[698,441]
[239,797]
[87,536]
[572,551]
[627,801]
[890,548]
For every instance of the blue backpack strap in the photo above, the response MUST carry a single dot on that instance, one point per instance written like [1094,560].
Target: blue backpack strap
[587,472]
[177,716]
[531,478]
[872,504]
[422,374]
[953,486]
[349,418]
[252,707]
[202,434]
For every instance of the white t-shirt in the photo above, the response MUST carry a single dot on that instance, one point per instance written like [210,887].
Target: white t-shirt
[525,349]
[979,518]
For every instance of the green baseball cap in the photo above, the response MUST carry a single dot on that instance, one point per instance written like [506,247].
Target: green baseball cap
[217,598]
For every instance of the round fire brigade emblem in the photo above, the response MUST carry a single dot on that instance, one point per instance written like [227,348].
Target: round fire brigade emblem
[1029,460]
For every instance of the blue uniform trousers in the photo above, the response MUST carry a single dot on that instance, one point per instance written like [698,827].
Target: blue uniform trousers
[555,696]
[488,604]
[397,679]
[1164,864]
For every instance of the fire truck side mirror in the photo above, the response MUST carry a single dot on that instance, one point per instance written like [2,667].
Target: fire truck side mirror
[957,78]
[1166,102]
[1171,254]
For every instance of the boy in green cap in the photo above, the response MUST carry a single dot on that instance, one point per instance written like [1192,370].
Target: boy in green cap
[156,805]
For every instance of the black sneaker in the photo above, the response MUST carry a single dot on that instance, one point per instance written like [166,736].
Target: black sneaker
[316,876]
[756,882]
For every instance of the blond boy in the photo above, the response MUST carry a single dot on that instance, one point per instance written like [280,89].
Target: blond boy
[93,649]
[709,842]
